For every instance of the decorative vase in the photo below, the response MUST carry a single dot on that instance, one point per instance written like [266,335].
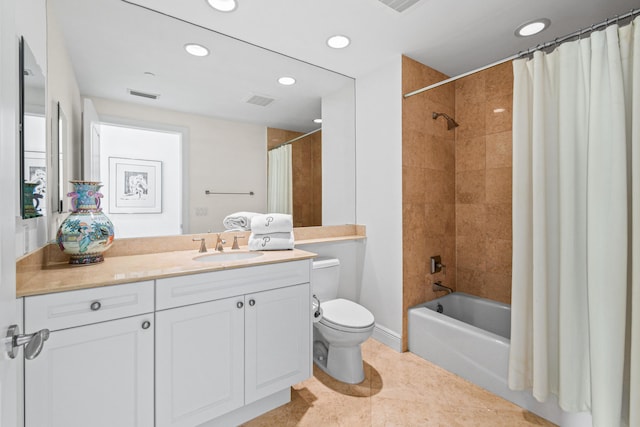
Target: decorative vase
[87,232]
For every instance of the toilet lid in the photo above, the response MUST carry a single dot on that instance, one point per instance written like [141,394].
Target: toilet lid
[345,313]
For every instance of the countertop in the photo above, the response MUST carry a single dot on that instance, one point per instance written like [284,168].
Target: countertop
[47,270]
[61,276]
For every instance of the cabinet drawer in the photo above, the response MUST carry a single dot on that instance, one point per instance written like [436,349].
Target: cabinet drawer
[74,308]
[196,288]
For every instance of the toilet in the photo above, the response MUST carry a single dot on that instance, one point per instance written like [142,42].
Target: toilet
[342,327]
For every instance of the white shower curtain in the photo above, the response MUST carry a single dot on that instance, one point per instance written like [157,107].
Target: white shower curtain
[279,181]
[575,323]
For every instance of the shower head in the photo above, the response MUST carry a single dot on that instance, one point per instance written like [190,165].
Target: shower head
[450,122]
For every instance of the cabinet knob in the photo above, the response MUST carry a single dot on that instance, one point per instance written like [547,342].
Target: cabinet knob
[146,324]
[252,302]
[95,306]
[240,304]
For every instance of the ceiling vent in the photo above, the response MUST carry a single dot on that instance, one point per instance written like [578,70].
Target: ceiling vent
[143,94]
[399,5]
[262,101]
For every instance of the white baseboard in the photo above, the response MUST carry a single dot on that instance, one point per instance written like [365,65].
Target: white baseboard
[387,337]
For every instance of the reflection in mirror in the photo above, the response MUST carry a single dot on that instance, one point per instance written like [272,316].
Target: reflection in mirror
[33,146]
[224,105]
[59,133]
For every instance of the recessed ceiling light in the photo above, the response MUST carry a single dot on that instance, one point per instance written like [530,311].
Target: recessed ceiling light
[196,49]
[223,5]
[338,41]
[287,81]
[317,120]
[149,74]
[532,27]
[499,110]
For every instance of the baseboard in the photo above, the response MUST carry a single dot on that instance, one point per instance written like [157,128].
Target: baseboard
[387,337]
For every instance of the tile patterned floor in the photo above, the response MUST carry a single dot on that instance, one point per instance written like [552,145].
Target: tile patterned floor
[399,390]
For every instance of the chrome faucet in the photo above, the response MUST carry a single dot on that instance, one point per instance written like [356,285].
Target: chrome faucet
[438,286]
[203,246]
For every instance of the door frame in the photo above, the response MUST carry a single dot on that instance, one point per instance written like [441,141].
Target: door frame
[8,207]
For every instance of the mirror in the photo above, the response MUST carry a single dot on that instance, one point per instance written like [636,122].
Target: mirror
[33,145]
[58,142]
[130,61]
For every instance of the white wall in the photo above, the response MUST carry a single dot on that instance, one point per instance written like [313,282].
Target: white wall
[220,155]
[133,143]
[379,195]
[338,157]
[62,87]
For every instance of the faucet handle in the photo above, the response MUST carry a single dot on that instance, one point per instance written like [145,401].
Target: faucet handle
[203,246]
[235,241]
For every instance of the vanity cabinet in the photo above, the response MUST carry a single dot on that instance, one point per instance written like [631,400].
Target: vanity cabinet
[199,362]
[206,349]
[96,368]
[245,345]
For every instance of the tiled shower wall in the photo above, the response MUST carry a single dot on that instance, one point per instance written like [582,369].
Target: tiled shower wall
[483,183]
[428,185]
[306,163]
[456,184]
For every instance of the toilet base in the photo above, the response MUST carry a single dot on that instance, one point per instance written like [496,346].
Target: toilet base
[342,363]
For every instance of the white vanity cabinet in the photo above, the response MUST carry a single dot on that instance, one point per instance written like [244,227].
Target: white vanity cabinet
[250,340]
[96,368]
[199,360]
[208,349]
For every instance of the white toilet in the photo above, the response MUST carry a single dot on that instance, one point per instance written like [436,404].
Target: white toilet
[343,326]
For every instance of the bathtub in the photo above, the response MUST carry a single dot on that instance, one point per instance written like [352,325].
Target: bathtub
[469,336]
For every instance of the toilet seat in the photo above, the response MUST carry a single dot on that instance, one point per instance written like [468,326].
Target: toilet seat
[345,315]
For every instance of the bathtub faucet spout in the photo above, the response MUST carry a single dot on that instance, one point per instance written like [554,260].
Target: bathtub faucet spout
[438,286]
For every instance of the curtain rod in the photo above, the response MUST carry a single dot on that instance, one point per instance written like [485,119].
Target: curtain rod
[529,51]
[295,139]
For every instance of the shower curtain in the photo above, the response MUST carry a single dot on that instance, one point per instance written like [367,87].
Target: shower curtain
[279,181]
[575,327]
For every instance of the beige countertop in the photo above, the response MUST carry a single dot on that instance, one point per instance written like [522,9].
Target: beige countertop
[61,276]
[136,259]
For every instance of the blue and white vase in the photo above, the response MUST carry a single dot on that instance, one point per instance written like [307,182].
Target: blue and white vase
[87,232]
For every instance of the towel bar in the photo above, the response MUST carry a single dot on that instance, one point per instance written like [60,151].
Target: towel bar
[207,192]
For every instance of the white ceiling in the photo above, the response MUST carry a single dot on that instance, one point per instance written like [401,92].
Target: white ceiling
[113,42]
[450,36]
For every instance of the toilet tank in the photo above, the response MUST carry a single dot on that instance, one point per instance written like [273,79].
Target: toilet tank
[325,277]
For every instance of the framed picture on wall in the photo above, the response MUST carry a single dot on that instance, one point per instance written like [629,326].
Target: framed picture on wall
[135,185]
[35,170]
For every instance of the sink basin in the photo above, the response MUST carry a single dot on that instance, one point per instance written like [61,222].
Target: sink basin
[227,256]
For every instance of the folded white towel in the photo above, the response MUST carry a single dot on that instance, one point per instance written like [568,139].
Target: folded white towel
[239,220]
[271,242]
[272,223]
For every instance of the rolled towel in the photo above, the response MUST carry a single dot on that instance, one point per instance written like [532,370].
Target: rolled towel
[272,223]
[271,242]
[239,220]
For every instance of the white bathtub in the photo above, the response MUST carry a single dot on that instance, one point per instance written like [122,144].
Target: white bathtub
[470,337]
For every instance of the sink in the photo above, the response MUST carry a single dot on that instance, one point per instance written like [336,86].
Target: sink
[227,256]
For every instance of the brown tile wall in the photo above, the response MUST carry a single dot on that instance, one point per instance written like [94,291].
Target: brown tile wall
[483,183]
[456,185]
[306,157]
[428,190]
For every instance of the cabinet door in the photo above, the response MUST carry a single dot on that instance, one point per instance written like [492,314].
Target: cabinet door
[199,362]
[99,375]
[277,340]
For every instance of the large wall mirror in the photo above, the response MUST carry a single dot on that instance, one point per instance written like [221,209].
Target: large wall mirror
[202,126]
[33,144]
